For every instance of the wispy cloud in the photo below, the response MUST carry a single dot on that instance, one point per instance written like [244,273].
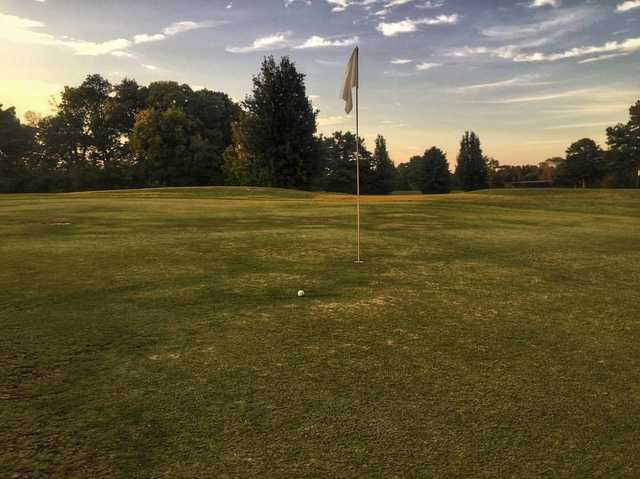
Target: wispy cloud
[577,126]
[23,30]
[544,97]
[555,23]
[427,66]
[283,40]
[628,46]
[321,42]
[409,25]
[544,3]
[518,81]
[629,5]
[276,41]
[172,30]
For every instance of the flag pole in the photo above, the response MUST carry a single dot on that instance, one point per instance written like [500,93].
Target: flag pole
[359,260]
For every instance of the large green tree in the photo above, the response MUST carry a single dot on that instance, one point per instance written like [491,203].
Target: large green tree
[471,171]
[16,142]
[623,161]
[584,164]
[381,177]
[171,149]
[436,177]
[340,166]
[204,121]
[279,127]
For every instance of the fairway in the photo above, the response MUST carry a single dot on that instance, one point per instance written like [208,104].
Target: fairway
[158,333]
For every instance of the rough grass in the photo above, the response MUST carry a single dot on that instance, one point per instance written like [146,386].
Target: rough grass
[157,333]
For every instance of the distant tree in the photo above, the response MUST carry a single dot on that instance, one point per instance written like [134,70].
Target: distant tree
[436,177]
[171,149]
[494,172]
[547,169]
[380,180]
[127,100]
[214,114]
[340,166]
[16,141]
[280,127]
[583,166]
[623,161]
[163,95]
[205,121]
[402,181]
[237,160]
[415,172]
[80,136]
[471,171]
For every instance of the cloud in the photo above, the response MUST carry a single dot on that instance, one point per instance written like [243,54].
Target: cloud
[23,30]
[431,4]
[628,46]
[411,25]
[629,5]
[401,61]
[506,52]
[332,120]
[604,57]
[427,66]
[518,81]
[547,97]
[185,26]
[555,24]
[387,5]
[544,3]
[321,42]
[340,5]
[276,41]
[282,40]
[288,3]
[576,126]
[123,54]
[144,38]
[172,30]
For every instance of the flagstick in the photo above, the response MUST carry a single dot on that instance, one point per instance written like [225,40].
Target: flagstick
[359,260]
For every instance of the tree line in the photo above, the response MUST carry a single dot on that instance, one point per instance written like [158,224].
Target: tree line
[104,136]
[586,165]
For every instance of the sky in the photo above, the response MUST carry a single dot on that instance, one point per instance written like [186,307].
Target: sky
[529,76]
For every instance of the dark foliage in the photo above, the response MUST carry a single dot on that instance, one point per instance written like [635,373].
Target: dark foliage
[279,128]
[436,177]
[471,172]
[380,179]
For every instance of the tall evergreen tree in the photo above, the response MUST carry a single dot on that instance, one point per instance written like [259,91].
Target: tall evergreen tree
[381,179]
[436,177]
[280,126]
[471,171]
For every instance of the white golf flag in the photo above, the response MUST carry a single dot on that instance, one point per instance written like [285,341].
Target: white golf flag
[350,81]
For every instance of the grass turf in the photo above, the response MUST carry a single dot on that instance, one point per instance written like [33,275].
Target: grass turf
[157,333]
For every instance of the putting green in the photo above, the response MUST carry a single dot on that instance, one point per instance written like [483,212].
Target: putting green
[158,333]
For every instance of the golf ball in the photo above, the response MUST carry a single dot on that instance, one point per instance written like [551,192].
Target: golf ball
[300,294]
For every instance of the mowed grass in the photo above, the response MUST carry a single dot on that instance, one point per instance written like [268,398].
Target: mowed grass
[157,334]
